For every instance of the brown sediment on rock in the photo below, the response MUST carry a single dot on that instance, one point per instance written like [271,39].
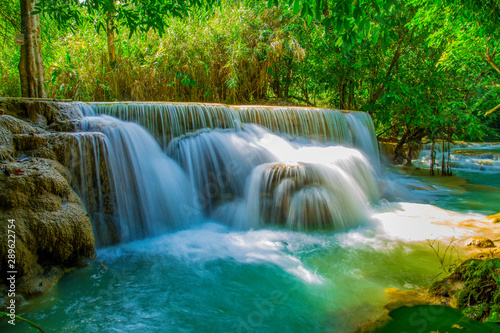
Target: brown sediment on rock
[53,232]
[397,298]
[494,218]
[480,242]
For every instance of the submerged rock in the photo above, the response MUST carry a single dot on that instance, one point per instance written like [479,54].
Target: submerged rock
[52,230]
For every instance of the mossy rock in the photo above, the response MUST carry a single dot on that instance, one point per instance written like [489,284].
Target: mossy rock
[475,286]
[480,242]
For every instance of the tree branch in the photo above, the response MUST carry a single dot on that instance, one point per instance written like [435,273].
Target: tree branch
[490,61]
[495,50]
[493,110]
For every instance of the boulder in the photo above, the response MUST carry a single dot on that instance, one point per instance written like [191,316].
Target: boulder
[480,242]
[52,230]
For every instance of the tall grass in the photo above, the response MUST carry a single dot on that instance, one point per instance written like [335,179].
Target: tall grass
[233,54]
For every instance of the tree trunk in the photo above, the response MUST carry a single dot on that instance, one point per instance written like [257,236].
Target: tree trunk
[31,71]
[448,165]
[110,35]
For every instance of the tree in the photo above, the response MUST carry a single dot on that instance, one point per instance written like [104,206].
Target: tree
[468,28]
[142,15]
[31,71]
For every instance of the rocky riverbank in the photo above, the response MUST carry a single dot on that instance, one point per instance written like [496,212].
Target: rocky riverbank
[473,288]
[53,232]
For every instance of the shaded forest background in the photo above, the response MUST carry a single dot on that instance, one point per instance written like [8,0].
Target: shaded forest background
[424,70]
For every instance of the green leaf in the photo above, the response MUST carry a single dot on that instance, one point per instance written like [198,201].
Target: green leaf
[296,7]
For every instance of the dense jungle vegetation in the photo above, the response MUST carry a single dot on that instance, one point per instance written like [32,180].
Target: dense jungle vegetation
[423,69]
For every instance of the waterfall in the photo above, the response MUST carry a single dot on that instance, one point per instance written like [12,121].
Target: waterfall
[279,176]
[363,134]
[218,162]
[171,164]
[152,194]
[167,121]
[466,157]
[318,124]
[331,191]
[85,154]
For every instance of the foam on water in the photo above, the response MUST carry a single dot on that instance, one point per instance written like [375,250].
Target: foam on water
[211,242]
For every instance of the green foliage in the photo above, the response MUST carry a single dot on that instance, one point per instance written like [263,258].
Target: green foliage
[433,318]
[480,295]
[135,15]
[9,26]
[423,70]
[476,286]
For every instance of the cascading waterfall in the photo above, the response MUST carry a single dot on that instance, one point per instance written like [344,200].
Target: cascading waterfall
[310,187]
[152,194]
[88,163]
[233,170]
[166,121]
[279,175]
[363,134]
[465,157]
[318,124]
[218,162]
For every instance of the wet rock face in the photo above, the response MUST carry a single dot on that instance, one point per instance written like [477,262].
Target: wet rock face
[282,182]
[53,231]
[83,154]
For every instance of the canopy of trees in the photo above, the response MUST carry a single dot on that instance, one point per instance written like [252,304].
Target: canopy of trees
[423,69]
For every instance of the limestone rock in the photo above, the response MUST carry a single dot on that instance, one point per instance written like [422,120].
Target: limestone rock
[480,242]
[44,114]
[18,126]
[53,231]
[6,144]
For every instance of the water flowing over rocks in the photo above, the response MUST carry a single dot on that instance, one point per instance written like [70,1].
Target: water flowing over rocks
[74,176]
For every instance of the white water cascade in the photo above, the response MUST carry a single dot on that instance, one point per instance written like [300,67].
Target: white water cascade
[472,157]
[232,170]
[167,121]
[152,194]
